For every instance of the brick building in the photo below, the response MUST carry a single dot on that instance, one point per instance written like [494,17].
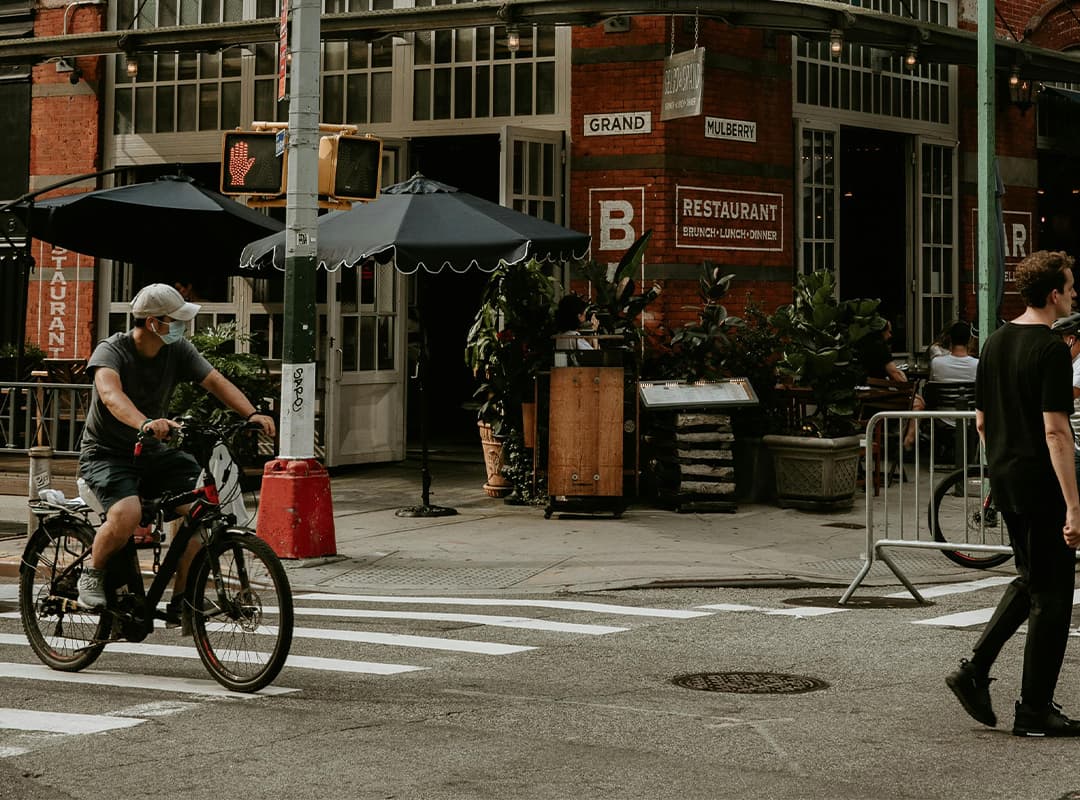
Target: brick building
[861,160]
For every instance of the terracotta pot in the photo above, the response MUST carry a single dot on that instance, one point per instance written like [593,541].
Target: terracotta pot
[497,485]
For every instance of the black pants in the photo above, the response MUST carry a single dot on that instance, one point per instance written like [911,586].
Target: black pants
[1041,595]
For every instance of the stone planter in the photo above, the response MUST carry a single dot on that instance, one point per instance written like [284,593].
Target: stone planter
[815,474]
[497,485]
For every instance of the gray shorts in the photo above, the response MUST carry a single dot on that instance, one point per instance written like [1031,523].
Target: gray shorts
[151,475]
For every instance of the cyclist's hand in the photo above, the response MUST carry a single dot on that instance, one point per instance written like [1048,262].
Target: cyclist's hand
[161,429]
[1072,527]
[266,422]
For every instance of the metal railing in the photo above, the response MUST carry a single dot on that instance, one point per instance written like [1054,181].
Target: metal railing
[36,414]
[907,514]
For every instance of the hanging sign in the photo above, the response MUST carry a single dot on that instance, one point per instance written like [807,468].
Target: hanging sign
[684,83]
[728,219]
[283,49]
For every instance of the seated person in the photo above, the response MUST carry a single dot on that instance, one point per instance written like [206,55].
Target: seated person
[876,357]
[959,365]
[569,320]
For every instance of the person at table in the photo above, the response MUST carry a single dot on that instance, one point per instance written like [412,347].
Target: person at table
[570,320]
[958,366]
[877,359]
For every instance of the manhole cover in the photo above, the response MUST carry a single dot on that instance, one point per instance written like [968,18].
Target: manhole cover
[863,601]
[750,682]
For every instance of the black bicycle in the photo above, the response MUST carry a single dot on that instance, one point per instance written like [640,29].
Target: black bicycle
[237,598]
[962,510]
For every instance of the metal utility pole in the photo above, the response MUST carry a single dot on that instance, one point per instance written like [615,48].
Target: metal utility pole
[989,234]
[301,212]
[296,513]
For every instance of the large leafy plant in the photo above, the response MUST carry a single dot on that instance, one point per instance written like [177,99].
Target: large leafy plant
[247,370]
[821,338]
[510,340]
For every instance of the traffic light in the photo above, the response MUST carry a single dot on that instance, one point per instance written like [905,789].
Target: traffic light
[249,164]
[350,167]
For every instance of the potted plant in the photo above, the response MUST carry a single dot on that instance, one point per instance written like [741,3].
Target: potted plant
[508,344]
[816,464]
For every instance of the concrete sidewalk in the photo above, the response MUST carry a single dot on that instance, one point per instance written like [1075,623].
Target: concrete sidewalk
[492,547]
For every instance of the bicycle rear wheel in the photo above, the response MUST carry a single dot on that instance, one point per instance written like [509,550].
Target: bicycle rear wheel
[963,511]
[48,584]
[244,637]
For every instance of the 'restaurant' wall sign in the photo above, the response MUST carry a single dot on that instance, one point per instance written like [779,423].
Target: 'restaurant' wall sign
[726,219]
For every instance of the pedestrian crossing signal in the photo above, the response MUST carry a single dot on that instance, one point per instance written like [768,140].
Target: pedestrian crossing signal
[350,167]
[250,165]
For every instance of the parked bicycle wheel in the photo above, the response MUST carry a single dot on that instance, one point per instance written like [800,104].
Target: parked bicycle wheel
[963,511]
[243,643]
[48,578]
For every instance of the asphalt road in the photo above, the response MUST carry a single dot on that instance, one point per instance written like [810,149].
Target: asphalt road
[588,712]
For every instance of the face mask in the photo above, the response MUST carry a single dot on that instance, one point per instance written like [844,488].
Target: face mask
[177,329]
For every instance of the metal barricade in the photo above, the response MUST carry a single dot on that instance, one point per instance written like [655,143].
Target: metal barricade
[933,505]
[43,415]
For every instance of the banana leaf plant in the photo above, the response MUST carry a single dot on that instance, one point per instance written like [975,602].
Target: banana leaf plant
[821,340]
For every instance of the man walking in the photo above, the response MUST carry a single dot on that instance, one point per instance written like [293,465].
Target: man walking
[1023,398]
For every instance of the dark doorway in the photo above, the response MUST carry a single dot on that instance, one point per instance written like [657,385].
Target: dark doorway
[1059,202]
[447,301]
[873,223]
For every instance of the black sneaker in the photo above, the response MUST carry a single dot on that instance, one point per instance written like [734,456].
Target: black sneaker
[972,689]
[1047,721]
[178,613]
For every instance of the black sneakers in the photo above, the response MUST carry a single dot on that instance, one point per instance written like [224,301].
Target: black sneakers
[972,689]
[1048,721]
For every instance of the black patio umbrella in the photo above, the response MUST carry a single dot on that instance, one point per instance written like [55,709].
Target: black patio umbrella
[171,222]
[424,224]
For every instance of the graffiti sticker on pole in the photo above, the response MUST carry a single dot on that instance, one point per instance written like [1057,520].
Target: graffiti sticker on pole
[728,219]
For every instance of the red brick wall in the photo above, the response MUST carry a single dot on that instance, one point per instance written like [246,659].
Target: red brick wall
[64,142]
[680,153]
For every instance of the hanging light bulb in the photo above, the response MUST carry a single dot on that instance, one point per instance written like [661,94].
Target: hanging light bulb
[1014,77]
[836,42]
[911,57]
[513,38]
[131,66]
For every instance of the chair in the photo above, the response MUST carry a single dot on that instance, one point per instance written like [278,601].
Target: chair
[952,396]
[884,395]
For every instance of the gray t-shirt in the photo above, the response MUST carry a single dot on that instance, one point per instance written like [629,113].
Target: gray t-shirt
[149,382]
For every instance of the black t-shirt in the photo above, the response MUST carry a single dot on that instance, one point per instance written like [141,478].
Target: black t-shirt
[1024,370]
[149,382]
[873,353]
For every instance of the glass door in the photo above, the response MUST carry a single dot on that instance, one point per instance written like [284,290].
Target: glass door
[935,236]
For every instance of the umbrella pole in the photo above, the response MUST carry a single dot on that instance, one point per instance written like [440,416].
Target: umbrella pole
[425,509]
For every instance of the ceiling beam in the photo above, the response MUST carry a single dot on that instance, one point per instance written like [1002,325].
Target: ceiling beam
[812,19]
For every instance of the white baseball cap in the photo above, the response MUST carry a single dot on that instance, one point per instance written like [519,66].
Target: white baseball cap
[162,300]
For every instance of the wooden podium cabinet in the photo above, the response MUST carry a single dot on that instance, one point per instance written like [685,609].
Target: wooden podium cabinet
[585,439]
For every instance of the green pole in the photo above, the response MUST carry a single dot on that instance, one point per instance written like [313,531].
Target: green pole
[989,237]
[301,213]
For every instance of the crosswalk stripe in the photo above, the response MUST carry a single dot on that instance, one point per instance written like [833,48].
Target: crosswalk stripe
[38,672]
[961,619]
[525,623]
[796,611]
[17,719]
[957,588]
[564,605]
[301,662]
[395,639]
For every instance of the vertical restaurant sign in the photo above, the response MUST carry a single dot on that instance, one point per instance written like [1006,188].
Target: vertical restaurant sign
[1016,229]
[283,49]
[728,219]
[684,83]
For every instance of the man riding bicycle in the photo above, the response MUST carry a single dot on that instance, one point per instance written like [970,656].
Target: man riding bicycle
[134,375]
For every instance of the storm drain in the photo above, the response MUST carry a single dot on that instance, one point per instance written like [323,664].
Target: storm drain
[750,682]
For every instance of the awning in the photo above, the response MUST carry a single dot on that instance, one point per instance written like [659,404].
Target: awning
[1065,94]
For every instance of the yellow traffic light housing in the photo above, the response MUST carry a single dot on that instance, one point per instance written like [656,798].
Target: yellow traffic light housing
[350,167]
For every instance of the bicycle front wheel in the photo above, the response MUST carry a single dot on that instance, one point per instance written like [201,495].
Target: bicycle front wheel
[242,632]
[962,511]
[53,560]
